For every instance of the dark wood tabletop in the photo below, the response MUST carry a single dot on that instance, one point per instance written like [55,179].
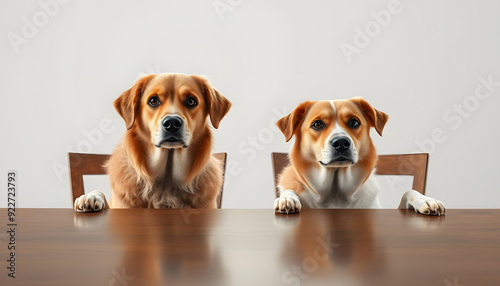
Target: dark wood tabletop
[251,247]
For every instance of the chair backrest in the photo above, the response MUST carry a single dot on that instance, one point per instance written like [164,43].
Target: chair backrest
[280,161]
[223,158]
[408,165]
[93,164]
[84,164]
[402,164]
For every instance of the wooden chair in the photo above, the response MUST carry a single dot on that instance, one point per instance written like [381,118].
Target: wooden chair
[93,164]
[407,164]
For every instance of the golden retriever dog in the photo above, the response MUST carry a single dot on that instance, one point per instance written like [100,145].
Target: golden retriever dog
[164,160]
[333,159]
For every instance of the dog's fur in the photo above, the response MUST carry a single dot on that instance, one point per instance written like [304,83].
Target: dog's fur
[164,160]
[333,159]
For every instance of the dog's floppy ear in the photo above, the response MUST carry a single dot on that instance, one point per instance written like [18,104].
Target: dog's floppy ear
[289,124]
[128,102]
[375,117]
[217,104]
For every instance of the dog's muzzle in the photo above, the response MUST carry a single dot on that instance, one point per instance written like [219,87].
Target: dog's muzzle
[341,144]
[342,152]
[171,134]
[172,124]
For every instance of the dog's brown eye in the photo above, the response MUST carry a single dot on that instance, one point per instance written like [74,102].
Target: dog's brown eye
[353,123]
[318,125]
[191,102]
[154,101]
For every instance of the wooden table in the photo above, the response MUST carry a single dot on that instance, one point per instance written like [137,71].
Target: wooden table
[252,247]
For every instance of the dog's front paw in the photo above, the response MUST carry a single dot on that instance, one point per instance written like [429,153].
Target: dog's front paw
[92,202]
[422,204]
[287,203]
[429,206]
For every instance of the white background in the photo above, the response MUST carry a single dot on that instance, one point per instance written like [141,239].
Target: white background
[419,66]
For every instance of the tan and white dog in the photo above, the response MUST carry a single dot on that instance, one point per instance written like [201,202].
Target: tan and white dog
[333,159]
[164,160]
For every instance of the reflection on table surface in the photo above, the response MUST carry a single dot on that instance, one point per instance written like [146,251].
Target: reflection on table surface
[259,247]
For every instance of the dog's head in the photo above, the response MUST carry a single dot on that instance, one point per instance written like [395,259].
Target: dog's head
[171,110]
[333,133]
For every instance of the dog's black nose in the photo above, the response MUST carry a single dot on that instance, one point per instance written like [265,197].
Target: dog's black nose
[341,144]
[172,123]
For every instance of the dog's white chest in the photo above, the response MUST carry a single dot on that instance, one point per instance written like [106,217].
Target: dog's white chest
[340,188]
